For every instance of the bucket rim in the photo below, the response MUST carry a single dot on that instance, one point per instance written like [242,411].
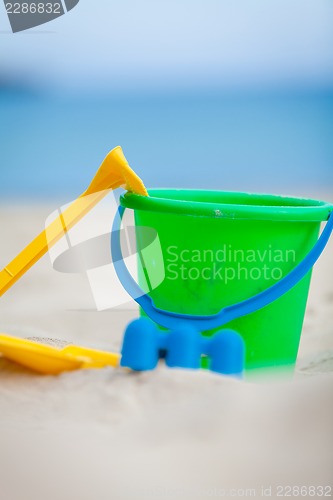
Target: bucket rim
[228,204]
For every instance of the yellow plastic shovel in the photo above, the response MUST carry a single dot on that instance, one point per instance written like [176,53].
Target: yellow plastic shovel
[49,360]
[113,173]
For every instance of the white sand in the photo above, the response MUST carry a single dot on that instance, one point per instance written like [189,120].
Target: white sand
[107,434]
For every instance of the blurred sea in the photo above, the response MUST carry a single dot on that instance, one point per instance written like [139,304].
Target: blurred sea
[51,145]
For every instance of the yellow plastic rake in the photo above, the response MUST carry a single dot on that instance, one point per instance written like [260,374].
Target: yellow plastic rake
[49,360]
[113,173]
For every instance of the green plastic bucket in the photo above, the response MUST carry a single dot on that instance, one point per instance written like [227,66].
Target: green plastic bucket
[220,248]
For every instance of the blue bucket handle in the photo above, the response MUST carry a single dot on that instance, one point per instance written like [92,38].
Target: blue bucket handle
[170,319]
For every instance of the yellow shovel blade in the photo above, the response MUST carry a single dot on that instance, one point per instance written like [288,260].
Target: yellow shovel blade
[49,360]
[113,173]
[38,357]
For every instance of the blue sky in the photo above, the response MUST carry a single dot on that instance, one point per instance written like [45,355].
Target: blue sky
[103,60]
[176,43]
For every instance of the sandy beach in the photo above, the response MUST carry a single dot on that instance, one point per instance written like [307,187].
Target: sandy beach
[109,434]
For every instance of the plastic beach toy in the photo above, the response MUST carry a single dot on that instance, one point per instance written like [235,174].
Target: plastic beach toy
[268,313]
[113,173]
[52,361]
[144,344]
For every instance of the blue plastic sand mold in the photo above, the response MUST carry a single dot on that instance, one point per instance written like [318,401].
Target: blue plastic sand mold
[144,344]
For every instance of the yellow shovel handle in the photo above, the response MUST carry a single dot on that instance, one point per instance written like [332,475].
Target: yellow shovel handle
[113,173]
[47,238]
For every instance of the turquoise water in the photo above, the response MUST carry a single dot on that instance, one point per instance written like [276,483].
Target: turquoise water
[51,146]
